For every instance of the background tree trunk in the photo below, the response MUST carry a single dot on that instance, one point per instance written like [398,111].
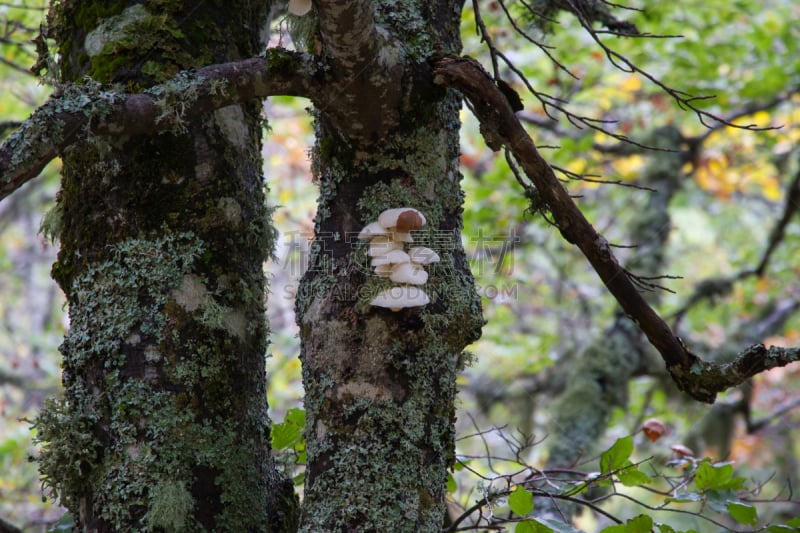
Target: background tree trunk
[164,423]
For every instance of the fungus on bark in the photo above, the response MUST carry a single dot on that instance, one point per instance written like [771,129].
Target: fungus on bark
[400,297]
[389,258]
[410,273]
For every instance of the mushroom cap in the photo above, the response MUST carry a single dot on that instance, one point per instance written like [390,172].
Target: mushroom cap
[384,271]
[391,257]
[423,255]
[382,244]
[402,236]
[299,7]
[404,219]
[396,298]
[371,230]
[408,273]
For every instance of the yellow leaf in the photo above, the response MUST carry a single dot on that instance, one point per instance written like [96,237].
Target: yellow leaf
[772,190]
[577,166]
[761,119]
[629,168]
[631,84]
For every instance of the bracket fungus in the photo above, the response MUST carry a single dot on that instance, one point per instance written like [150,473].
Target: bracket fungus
[387,237]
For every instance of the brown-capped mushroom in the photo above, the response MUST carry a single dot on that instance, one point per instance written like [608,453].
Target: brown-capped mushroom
[402,219]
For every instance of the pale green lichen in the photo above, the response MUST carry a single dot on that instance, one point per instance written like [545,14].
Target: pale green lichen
[52,222]
[104,37]
[384,390]
[171,507]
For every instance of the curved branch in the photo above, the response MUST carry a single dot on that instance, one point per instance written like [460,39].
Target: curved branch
[86,110]
[500,126]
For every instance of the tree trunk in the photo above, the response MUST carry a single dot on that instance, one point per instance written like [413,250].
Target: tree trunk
[380,385]
[164,422]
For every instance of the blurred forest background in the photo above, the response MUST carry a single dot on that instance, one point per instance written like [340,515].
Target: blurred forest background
[728,246]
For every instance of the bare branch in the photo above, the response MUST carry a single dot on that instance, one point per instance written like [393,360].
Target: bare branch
[501,127]
[776,236]
[16,67]
[80,111]
[684,99]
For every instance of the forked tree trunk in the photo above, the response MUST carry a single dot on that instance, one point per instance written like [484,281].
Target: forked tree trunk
[380,385]
[164,422]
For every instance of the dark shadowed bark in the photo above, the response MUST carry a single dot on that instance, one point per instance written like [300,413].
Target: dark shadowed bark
[164,422]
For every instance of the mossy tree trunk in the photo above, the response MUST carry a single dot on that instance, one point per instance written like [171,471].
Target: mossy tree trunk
[163,237]
[380,385]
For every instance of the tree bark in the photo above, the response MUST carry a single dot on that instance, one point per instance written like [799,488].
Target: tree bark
[164,421]
[380,385]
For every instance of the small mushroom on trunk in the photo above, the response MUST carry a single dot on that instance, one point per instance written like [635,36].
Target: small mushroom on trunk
[401,297]
[409,273]
[402,219]
[299,7]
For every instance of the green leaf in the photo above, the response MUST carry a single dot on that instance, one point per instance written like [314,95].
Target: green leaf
[460,465]
[520,501]
[452,486]
[743,513]
[710,477]
[632,477]
[637,524]
[781,529]
[615,457]
[289,432]
[531,526]
[718,499]
[285,435]
[619,528]
[296,416]
[684,497]
[794,522]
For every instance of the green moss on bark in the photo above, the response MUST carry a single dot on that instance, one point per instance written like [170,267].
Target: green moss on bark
[164,423]
[380,385]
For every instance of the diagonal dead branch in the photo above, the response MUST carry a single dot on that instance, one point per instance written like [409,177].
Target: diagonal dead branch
[500,126]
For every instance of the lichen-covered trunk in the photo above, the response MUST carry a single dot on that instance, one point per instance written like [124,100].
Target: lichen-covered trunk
[380,384]
[163,426]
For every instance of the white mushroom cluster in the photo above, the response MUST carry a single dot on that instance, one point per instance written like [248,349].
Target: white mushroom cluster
[390,259]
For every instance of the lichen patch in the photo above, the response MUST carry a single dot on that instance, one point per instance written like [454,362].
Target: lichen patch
[113,29]
[191,294]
